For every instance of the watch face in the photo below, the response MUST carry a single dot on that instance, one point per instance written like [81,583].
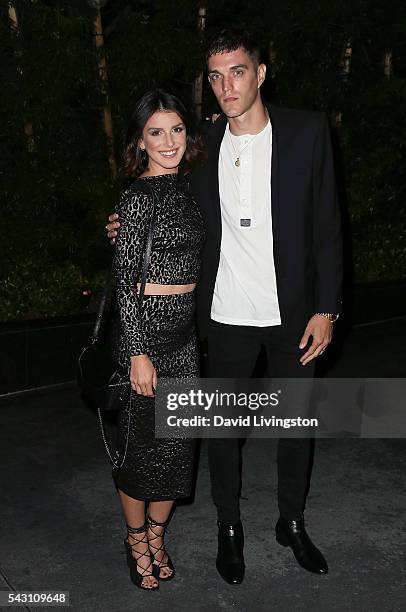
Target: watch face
[332,317]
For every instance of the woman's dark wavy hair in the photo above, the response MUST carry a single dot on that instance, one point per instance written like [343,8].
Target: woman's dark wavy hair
[134,160]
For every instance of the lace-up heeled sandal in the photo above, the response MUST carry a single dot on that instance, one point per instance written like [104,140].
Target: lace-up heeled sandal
[158,530]
[133,556]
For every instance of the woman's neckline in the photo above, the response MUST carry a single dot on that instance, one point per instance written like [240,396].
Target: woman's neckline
[156,176]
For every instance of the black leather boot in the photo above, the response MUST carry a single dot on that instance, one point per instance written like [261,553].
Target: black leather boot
[230,558]
[293,534]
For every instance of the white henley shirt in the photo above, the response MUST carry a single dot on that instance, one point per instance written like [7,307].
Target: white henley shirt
[245,292]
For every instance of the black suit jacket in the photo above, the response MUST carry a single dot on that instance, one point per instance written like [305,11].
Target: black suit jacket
[306,224]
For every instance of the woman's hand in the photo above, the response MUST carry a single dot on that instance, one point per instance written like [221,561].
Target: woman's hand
[143,376]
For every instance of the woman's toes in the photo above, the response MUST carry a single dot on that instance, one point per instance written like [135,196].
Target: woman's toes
[149,582]
[165,572]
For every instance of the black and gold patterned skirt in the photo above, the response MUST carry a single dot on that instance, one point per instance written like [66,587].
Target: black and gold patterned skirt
[159,469]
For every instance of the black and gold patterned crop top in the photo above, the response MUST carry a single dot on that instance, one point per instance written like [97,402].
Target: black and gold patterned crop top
[176,246]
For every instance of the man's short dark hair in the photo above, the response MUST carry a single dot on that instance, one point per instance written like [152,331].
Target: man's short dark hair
[231,40]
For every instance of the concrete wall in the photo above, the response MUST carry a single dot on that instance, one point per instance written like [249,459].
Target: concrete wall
[41,353]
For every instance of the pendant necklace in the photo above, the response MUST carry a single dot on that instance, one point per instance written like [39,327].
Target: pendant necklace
[238,155]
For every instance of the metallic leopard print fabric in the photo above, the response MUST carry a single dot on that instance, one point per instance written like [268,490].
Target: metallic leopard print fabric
[176,249]
[157,469]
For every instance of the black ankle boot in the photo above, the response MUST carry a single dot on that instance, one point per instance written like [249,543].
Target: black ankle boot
[230,558]
[293,534]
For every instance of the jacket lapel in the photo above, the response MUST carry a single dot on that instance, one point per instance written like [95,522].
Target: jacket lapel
[213,146]
[273,115]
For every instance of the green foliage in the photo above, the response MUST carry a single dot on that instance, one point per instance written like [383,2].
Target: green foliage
[36,288]
[57,188]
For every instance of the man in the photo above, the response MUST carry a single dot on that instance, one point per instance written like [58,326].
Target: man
[272,271]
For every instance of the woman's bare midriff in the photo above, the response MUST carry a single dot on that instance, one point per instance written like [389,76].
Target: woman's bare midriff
[157,289]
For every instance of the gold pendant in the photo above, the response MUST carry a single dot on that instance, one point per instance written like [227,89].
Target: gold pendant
[237,161]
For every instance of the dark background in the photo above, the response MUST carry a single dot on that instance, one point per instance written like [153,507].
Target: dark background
[64,528]
[58,186]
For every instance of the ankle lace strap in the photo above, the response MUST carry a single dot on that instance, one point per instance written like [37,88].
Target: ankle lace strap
[152,523]
[136,529]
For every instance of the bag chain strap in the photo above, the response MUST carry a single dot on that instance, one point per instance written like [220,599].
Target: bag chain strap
[103,432]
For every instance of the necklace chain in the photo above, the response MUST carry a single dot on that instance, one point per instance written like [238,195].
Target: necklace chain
[237,155]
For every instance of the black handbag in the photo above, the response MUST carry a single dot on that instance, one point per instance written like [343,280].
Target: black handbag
[103,383]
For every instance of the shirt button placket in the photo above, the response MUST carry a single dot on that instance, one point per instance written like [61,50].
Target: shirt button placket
[245,184]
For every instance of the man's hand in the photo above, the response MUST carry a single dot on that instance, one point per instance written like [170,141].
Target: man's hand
[213,118]
[143,376]
[112,227]
[321,330]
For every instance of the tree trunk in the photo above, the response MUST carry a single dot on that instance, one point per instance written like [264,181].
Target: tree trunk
[345,68]
[198,83]
[387,65]
[346,60]
[107,118]
[12,14]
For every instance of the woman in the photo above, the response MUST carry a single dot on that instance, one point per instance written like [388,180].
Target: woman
[157,339]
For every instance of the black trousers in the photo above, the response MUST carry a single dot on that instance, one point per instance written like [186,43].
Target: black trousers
[232,352]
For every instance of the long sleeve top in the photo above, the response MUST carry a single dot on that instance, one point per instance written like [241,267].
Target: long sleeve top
[176,247]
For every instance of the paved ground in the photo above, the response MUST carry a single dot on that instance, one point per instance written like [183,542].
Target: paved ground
[61,527]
